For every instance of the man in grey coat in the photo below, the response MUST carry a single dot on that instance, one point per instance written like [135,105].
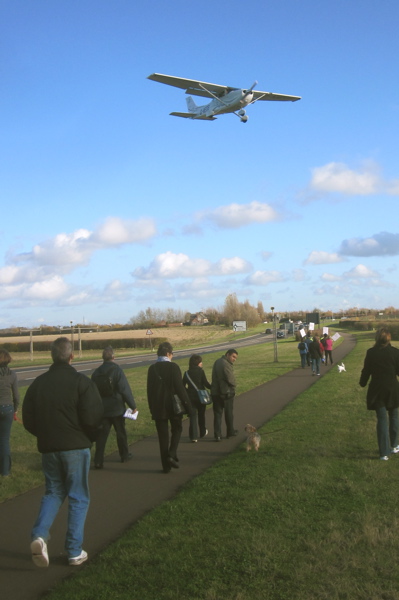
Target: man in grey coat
[223,389]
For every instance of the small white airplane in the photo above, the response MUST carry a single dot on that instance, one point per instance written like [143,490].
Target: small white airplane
[225,99]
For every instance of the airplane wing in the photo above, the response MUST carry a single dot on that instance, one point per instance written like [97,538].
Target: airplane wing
[271,96]
[210,90]
[192,116]
[193,86]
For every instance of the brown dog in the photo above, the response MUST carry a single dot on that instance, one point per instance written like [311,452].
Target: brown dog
[253,439]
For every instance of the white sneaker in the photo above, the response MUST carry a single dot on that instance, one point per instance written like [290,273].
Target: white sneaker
[78,560]
[384,458]
[39,552]
[395,450]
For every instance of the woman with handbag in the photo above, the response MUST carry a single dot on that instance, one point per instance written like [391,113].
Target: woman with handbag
[195,382]
[168,401]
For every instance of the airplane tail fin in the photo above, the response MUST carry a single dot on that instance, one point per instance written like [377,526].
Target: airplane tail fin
[191,104]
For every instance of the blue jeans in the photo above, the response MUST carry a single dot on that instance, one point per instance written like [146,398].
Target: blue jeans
[6,419]
[66,474]
[316,365]
[387,435]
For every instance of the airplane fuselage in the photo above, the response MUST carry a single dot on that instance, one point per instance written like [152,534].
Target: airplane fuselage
[231,102]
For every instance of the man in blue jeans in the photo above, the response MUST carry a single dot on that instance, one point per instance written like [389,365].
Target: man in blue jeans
[63,410]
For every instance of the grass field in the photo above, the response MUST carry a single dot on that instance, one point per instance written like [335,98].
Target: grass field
[180,337]
[312,516]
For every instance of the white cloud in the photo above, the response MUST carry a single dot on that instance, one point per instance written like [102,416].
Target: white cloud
[361,272]
[67,251]
[322,258]
[337,177]
[264,278]
[330,277]
[380,244]
[37,275]
[170,265]
[115,232]
[235,215]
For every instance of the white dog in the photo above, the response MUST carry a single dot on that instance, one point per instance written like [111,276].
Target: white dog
[341,367]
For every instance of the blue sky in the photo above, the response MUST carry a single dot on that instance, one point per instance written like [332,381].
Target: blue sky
[110,205]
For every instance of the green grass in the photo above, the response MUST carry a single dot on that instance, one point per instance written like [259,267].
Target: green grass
[312,516]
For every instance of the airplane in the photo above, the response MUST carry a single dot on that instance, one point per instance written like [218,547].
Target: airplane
[225,99]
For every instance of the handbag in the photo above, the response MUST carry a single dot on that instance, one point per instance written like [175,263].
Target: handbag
[203,395]
[178,406]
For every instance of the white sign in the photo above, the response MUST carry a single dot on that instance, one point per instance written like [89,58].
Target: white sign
[302,332]
[325,330]
[149,332]
[239,325]
[335,336]
[311,327]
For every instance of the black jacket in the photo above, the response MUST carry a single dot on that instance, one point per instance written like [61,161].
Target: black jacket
[382,365]
[197,375]
[163,380]
[114,406]
[63,409]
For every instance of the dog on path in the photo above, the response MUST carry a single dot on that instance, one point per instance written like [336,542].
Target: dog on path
[341,367]
[253,439]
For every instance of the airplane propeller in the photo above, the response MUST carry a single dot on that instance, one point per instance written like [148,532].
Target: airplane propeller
[255,83]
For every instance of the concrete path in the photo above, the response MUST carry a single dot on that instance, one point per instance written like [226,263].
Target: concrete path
[122,493]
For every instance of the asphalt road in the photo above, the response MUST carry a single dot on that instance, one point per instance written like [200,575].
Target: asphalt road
[27,374]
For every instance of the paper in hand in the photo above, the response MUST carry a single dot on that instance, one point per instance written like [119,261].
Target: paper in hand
[129,414]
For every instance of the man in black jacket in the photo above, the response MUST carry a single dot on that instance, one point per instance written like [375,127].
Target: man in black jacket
[63,410]
[115,391]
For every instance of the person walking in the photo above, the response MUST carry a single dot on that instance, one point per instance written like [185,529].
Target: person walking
[9,402]
[303,350]
[195,379]
[308,340]
[315,355]
[382,366]
[223,389]
[63,410]
[328,350]
[164,380]
[115,392]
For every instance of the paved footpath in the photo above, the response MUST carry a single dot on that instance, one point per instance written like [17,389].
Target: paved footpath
[122,493]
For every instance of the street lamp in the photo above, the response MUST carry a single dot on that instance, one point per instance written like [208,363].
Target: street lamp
[71,322]
[274,334]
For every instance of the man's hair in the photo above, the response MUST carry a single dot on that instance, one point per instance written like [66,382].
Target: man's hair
[195,360]
[61,350]
[231,351]
[108,353]
[382,336]
[164,349]
[5,357]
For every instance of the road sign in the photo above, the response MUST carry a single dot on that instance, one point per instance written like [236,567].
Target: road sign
[149,332]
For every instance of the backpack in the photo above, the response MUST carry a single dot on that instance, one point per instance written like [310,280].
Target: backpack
[302,345]
[104,383]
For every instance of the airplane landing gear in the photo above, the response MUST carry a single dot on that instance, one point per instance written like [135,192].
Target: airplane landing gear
[241,114]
